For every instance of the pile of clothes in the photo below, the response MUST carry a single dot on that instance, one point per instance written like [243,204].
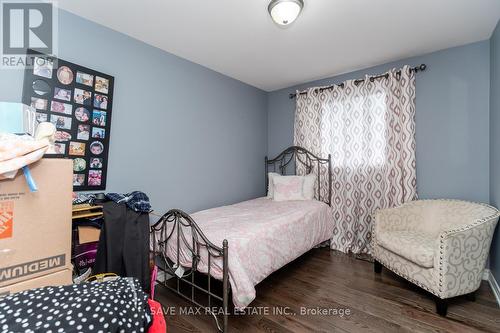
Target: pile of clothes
[119,305]
[123,246]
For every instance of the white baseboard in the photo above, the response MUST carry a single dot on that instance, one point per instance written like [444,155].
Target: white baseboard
[486,274]
[494,286]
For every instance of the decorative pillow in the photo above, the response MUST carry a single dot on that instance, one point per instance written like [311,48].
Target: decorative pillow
[308,187]
[288,188]
[270,183]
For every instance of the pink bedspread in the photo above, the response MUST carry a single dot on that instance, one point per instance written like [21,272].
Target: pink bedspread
[263,235]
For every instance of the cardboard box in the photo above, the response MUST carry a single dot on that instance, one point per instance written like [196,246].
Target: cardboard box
[60,278]
[87,234]
[35,227]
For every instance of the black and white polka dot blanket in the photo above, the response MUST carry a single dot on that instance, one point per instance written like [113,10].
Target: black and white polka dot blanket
[113,306]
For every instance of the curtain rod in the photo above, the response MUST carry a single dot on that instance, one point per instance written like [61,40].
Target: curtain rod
[422,67]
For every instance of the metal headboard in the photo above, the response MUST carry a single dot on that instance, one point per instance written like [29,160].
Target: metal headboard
[170,230]
[303,157]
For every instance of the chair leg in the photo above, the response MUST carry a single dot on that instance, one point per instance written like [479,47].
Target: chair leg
[441,306]
[377,267]
[471,297]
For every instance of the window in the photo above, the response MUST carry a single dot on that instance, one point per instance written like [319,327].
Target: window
[357,136]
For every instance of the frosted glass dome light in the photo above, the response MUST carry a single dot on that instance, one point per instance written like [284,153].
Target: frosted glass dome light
[284,12]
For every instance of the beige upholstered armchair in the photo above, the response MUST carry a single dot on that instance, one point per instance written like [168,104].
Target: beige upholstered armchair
[439,245]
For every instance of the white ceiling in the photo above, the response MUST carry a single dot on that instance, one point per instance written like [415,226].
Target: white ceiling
[238,38]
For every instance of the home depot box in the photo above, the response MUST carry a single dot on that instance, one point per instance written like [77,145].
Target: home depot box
[35,227]
[59,278]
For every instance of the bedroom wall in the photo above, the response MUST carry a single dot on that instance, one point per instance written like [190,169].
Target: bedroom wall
[452,120]
[495,145]
[189,137]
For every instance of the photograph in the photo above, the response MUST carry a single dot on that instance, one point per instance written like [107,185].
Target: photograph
[100,101]
[57,149]
[40,87]
[62,136]
[76,148]
[42,67]
[65,75]
[82,96]
[41,117]
[101,85]
[78,179]
[61,107]
[39,103]
[84,78]
[82,114]
[95,163]
[95,177]
[98,133]
[79,164]
[60,121]
[99,118]
[62,94]
[96,148]
[83,132]
[60,148]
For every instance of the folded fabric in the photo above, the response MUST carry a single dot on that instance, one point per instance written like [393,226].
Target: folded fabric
[79,198]
[17,151]
[137,201]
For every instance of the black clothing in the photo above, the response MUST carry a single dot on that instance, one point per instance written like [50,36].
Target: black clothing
[124,243]
[113,306]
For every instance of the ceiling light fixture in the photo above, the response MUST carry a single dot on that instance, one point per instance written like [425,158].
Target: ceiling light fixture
[284,12]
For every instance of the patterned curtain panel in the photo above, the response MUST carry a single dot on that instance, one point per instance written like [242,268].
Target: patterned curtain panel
[369,130]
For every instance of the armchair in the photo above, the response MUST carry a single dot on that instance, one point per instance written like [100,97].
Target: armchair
[439,245]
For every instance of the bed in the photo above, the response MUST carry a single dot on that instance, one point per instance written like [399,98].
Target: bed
[258,237]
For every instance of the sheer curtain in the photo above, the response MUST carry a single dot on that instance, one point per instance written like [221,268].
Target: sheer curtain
[368,128]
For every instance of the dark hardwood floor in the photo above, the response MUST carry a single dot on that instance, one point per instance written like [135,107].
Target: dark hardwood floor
[331,280]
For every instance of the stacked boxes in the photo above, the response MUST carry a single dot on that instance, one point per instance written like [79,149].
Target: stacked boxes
[87,221]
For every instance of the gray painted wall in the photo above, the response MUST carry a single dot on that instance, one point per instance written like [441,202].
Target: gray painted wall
[189,137]
[495,145]
[452,120]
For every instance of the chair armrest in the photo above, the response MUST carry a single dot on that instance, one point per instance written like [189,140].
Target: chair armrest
[462,257]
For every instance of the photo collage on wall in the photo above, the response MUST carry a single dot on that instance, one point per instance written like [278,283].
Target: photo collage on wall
[78,101]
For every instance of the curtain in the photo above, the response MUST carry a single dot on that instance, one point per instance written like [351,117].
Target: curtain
[368,127]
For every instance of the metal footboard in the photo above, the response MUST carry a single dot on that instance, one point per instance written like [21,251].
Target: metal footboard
[171,227]
[170,230]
